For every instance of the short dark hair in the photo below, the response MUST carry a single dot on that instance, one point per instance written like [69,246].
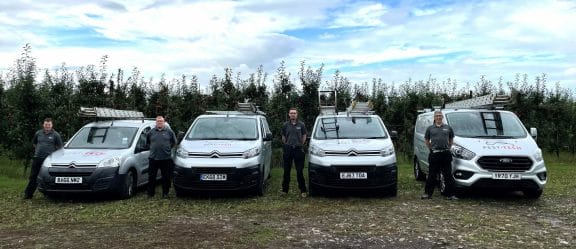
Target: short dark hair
[48,120]
[293,109]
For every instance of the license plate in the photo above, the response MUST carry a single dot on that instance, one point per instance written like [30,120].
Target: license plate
[353,175]
[213,177]
[69,180]
[506,176]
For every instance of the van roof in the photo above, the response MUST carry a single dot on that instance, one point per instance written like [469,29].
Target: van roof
[122,122]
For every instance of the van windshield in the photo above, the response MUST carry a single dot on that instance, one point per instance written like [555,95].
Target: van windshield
[224,128]
[486,124]
[103,138]
[349,128]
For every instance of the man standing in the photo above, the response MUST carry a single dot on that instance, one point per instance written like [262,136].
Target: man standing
[439,138]
[293,137]
[45,141]
[160,140]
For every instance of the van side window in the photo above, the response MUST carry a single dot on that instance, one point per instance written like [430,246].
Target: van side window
[422,124]
[142,139]
[265,127]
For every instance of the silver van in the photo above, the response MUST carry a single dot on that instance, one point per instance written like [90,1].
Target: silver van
[225,150]
[103,156]
[492,149]
[351,150]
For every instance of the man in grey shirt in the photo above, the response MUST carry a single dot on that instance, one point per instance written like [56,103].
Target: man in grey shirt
[160,140]
[439,138]
[45,141]
[293,137]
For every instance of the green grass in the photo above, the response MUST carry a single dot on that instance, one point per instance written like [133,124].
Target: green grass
[275,221]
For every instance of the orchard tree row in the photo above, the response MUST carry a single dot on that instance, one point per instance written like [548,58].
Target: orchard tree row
[28,95]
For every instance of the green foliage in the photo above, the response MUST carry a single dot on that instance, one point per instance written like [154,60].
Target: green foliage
[25,100]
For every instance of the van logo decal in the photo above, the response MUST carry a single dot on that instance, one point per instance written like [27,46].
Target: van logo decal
[506,160]
[501,146]
[72,165]
[352,153]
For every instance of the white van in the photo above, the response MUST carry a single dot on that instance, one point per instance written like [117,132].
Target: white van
[352,150]
[223,151]
[492,149]
[103,156]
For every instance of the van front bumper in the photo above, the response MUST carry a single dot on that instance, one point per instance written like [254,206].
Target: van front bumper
[385,176]
[468,174]
[236,178]
[94,180]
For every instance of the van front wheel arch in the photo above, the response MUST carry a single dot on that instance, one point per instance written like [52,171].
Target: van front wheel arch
[418,173]
[128,186]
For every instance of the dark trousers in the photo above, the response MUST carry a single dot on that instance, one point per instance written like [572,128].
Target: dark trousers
[296,155]
[440,162]
[165,167]
[33,179]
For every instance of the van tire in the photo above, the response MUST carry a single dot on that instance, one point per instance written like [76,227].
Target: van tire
[312,189]
[418,174]
[128,185]
[392,191]
[179,192]
[442,184]
[261,185]
[532,193]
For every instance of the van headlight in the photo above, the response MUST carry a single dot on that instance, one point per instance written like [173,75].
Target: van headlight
[461,152]
[110,162]
[47,162]
[251,153]
[387,152]
[538,155]
[314,150]
[182,153]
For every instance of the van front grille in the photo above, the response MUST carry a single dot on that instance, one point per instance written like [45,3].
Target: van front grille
[505,163]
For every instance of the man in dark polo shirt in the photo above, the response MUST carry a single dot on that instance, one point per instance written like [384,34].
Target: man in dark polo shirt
[439,138]
[45,141]
[293,137]
[160,140]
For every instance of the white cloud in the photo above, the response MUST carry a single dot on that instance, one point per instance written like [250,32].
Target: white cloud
[362,39]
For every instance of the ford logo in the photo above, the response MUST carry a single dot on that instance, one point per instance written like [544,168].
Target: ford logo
[506,160]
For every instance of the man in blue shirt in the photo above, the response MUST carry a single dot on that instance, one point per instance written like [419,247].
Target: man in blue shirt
[45,141]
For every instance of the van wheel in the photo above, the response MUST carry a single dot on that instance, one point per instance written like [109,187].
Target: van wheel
[312,189]
[261,185]
[392,191]
[179,192]
[128,186]
[418,174]
[442,183]
[532,193]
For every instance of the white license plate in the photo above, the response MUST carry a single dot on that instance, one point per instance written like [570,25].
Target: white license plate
[68,180]
[213,177]
[353,175]
[506,176]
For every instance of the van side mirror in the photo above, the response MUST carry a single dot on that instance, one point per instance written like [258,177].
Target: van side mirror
[180,136]
[534,133]
[268,136]
[394,135]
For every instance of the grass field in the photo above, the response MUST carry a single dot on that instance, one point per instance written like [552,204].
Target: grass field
[484,220]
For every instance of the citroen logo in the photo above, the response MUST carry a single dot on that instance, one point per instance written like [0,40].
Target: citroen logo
[352,153]
[505,160]
[215,154]
[72,165]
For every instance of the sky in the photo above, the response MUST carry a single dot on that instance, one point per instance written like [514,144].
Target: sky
[390,40]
